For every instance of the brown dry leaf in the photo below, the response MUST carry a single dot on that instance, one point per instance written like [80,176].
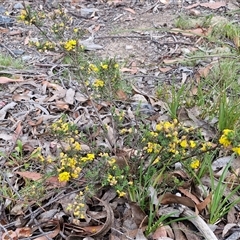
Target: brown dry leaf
[129,10]
[213,5]
[204,71]
[228,227]
[171,61]
[53,223]
[30,175]
[189,233]
[165,69]
[192,32]
[96,29]
[18,132]
[80,97]
[121,95]
[232,215]
[178,234]
[160,232]
[69,97]
[192,6]
[24,232]
[236,41]
[194,91]
[54,182]
[8,80]
[132,70]
[92,230]
[3,30]
[138,215]
[9,235]
[52,85]
[19,97]
[35,123]
[189,195]
[62,105]
[201,206]
[26,40]
[169,198]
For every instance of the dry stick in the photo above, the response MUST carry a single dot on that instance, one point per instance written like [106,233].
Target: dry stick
[199,223]
[9,50]
[145,37]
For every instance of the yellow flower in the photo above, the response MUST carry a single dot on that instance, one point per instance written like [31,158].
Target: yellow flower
[168,125]
[112,161]
[227,131]
[153,134]
[192,144]
[74,175]
[75,30]
[98,83]
[236,150]
[90,156]
[159,127]
[70,45]
[77,146]
[150,147]
[64,176]
[71,162]
[104,66]
[184,143]
[113,181]
[94,68]
[120,193]
[130,183]
[224,141]
[175,121]
[195,164]
[156,160]
[23,15]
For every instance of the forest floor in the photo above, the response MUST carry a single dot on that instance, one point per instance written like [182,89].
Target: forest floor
[119,119]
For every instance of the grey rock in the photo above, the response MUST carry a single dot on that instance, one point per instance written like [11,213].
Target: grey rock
[26,58]
[18,6]
[18,52]
[6,21]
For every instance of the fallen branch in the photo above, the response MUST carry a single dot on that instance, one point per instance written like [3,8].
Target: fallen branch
[199,223]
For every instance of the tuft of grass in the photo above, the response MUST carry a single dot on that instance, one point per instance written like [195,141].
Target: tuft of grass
[229,30]
[186,22]
[8,61]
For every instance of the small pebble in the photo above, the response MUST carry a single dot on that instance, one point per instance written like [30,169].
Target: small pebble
[26,58]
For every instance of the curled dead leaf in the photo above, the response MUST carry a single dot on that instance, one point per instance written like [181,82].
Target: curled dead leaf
[53,224]
[169,198]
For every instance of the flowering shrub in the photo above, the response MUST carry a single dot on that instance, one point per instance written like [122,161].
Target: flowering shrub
[230,140]
[154,150]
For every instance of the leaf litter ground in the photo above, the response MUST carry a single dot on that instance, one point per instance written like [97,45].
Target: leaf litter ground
[141,35]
